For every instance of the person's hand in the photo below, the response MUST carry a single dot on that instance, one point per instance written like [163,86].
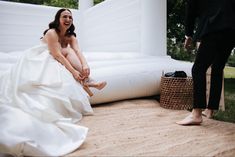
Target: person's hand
[85,70]
[77,76]
[188,43]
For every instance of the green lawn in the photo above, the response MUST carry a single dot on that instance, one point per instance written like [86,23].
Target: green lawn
[229,97]
[229,72]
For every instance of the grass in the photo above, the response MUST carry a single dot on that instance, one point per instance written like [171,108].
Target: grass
[229,72]
[229,97]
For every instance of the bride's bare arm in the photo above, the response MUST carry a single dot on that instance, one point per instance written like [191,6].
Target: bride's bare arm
[55,50]
[74,45]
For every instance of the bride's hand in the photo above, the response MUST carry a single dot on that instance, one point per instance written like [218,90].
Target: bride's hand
[77,76]
[85,70]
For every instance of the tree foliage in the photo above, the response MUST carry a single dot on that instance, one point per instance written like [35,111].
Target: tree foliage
[175,31]
[175,19]
[62,3]
[27,1]
[97,1]
[56,3]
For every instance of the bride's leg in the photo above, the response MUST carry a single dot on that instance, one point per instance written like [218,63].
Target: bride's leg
[70,54]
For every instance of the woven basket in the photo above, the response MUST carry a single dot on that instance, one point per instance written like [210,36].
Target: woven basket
[176,93]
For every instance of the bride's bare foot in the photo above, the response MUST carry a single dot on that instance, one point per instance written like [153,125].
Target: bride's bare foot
[190,120]
[208,113]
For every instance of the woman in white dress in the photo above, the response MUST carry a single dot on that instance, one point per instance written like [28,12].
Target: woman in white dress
[63,46]
[42,94]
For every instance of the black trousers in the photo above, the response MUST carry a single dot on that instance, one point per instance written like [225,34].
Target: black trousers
[214,50]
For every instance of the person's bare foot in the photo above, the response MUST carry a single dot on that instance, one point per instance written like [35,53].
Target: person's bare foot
[208,113]
[190,120]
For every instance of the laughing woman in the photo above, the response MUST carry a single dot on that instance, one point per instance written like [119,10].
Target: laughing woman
[42,94]
[63,46]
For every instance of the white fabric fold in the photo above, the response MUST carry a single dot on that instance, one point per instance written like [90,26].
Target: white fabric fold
[40,102]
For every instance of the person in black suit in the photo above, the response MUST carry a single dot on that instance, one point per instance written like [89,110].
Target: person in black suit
[216,33]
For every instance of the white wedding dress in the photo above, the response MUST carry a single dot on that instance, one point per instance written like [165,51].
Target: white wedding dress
[40,103]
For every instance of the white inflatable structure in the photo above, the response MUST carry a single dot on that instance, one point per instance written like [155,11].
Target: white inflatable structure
[124,42]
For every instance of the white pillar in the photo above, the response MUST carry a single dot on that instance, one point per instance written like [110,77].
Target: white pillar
[153,27]
[83,6]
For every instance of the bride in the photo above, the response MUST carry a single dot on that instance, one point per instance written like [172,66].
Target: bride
[44,92]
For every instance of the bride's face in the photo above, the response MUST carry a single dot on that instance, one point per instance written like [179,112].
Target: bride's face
[66,19]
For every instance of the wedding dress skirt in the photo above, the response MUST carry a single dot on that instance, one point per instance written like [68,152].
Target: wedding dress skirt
[40,102]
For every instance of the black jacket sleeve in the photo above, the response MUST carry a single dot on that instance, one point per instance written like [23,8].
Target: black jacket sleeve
[190,17]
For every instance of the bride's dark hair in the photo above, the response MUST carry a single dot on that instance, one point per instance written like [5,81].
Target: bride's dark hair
[55,24]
